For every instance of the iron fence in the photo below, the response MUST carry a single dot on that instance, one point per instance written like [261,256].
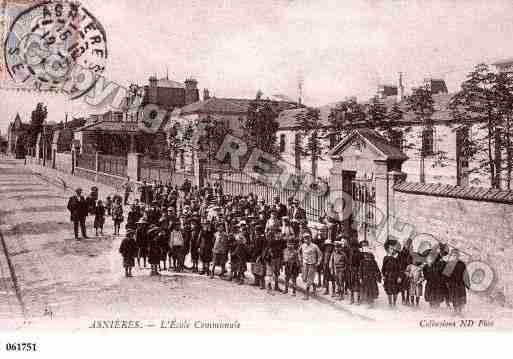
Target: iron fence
[87,161]
[113,165]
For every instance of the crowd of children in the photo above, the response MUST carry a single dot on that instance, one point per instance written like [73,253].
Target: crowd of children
[272,241]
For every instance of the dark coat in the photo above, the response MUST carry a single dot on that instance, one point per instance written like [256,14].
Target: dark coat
[258,246]
[436,284]
[392,275]
[131,218]
[155,252]
[369,275]
[141,237]
[128,250]
[99,216]
[353,278]
[405,259]
[206,244]
[458,283]
[77,206]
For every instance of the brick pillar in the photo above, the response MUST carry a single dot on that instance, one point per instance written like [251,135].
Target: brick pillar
[385,210]
[199,172]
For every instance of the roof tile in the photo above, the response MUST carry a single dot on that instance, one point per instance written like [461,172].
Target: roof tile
[469,193]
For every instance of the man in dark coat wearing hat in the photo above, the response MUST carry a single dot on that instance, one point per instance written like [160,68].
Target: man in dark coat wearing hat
[458,281]
[369,275]
[78,208]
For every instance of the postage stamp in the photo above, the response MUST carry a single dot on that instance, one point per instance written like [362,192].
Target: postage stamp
[46,41]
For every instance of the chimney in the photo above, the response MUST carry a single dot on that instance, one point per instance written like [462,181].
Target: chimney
[400,88]
[191,84]
[206,94]
[191,91]
[152,90]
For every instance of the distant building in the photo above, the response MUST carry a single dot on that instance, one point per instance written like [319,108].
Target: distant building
[166,94]
[17,136]
[436,86]
[505,65]
[229,111]
[440,137]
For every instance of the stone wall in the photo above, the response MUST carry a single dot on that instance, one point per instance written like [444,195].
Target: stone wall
[481,229]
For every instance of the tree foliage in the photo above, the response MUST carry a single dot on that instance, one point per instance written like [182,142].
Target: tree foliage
[484,108]
[344,117]
[37,119]
[313,131]
[260,125]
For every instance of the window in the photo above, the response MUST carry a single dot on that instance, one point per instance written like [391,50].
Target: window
[428,142]
[396,138]
[282,143]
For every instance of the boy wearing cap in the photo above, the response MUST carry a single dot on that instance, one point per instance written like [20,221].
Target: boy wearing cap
[176,243]
[220,250]
[326,273]
[155,252]
[391,269]
[128,250]
[292,264]
[239,256]
[206,242]
[258,245]
[141,240]
[274,257]
[338,268]
[311,258]
[195,241]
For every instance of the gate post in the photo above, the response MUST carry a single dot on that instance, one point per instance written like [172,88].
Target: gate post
[133,167]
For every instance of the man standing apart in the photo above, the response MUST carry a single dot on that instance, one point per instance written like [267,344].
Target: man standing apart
[311,258]
[77,206]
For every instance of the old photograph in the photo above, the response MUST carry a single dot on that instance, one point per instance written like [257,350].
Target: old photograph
[237,166]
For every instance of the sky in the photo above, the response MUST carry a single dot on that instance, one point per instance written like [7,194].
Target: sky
[338,48]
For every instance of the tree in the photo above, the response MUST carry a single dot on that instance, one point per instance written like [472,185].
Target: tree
[3,143]
[344,117]
[260,125]
[312,129]
[476,105]
[213,136]
[421,104]
[37,120]
[502,91]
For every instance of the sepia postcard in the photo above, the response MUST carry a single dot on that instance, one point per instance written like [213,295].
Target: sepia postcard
[244,167]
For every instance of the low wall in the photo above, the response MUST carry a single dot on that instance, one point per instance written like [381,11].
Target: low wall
[104,178]
[482,229]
